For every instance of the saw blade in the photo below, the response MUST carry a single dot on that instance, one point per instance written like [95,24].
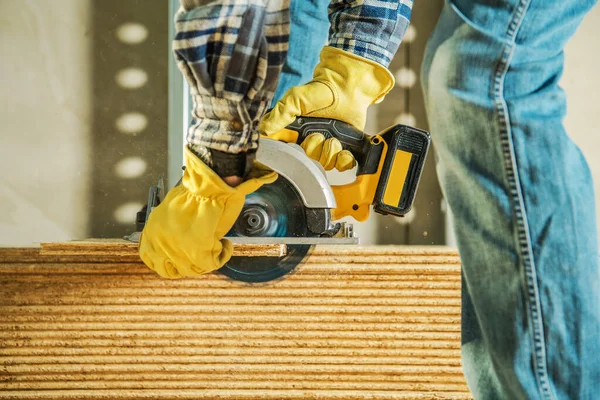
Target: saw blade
[275,210]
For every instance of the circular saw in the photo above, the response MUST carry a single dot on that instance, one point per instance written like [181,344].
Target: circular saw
[300,209]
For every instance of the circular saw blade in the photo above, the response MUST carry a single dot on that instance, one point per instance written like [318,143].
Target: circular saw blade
[275,210]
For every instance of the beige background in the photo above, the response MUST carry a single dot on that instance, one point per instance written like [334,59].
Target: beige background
[46,106]
[45,103]
[581,81]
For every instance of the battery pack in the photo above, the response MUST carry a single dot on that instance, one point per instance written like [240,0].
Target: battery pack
[403,165]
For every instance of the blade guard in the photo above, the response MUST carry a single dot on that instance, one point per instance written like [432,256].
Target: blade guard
[390,165]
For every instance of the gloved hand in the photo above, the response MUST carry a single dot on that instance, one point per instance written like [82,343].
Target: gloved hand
[344,85]
[184,234]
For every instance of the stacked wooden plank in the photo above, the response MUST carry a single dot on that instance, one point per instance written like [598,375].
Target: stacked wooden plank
[85,322]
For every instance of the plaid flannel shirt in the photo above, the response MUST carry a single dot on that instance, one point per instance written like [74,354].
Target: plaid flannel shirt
[371,29]
[231,53]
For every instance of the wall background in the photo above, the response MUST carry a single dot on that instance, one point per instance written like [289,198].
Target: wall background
[45,120]
[581,81]
[83,113]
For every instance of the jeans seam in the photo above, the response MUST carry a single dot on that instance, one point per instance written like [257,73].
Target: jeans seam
[533,306]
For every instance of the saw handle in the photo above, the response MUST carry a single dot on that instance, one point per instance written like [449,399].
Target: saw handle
[367,150]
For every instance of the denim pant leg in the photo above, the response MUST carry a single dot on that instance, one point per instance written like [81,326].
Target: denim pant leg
[522,196]
[308,34]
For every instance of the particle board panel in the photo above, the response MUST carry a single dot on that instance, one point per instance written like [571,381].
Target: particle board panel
[350,323]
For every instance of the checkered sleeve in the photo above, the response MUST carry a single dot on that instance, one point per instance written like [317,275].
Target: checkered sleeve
[231,53]
[369,28]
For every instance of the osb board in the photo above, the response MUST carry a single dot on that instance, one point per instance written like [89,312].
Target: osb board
[350,323]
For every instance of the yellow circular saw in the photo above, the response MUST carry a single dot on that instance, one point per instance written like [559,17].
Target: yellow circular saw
[301,208]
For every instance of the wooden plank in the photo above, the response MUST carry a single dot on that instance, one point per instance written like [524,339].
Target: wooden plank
[122,251]
[351,323]
[113,250]
[108,247]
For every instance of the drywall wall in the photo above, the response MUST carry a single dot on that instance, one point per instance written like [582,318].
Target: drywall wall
[45,100]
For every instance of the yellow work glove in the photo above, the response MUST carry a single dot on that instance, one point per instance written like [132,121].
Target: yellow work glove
[344,85]
[184,234]
[328,152]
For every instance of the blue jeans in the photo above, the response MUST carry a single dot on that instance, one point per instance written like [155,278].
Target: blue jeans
[520,191]
[522,196]
[308,34]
